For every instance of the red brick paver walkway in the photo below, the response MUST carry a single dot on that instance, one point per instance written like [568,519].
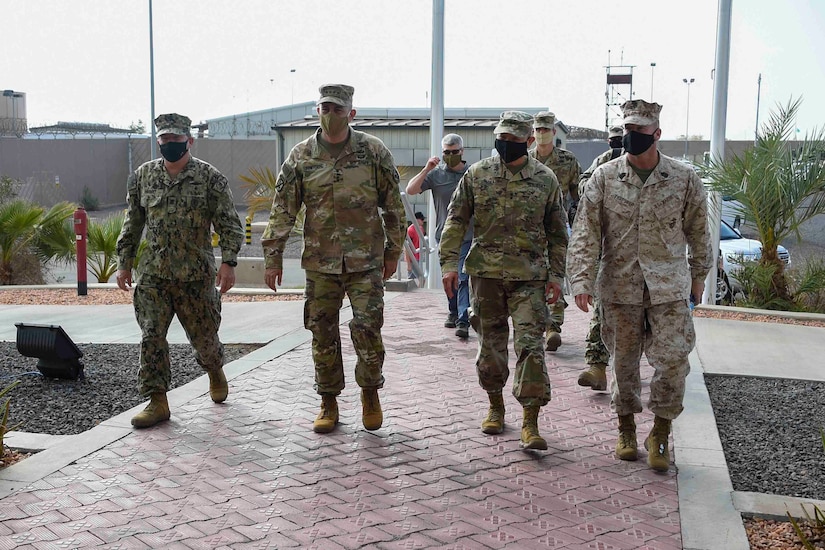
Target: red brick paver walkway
[250,473]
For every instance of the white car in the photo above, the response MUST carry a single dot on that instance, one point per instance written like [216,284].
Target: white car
[733,249]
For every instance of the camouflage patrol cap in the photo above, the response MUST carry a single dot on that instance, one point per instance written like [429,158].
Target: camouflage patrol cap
[615,131]
[640,112]
[544,119]
[173,123]
[518,123]
[340,94]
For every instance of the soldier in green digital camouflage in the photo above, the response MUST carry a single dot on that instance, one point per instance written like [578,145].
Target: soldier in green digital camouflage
[595,354]
[353,236]
[516,266]
[564,165]
[178,200]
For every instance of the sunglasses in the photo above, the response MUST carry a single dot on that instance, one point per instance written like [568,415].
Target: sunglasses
[448,153]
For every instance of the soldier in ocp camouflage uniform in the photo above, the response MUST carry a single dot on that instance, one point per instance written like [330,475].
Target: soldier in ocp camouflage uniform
[595,354]
[178,199]
[564,165]
[353,236]
[641,212]
[516,265]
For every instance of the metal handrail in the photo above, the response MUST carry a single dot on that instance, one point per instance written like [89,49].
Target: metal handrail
[420,267]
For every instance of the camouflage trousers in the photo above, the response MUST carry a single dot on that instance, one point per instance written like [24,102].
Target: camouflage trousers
[555,315]
[594,350]
[197,305]
[664,332]
[324,297]
[493,302]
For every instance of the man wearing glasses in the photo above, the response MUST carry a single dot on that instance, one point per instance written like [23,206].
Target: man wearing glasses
[441,176]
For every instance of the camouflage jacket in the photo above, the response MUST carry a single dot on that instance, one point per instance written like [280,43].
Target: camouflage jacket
[178,215]
[652,234]
[354,217]
[607,156]
[520,229]
[563,163]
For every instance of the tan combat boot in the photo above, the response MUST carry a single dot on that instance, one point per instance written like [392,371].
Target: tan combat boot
[553,341]
[156,411]
[530,438]
[658,456]
[626,447]
[595,377]
[371,415]
[494,423]
[328,417]
[218,386]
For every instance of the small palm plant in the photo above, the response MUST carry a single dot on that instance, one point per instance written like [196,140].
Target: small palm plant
[28,227]
[260,189]
[103,237]
[4,415]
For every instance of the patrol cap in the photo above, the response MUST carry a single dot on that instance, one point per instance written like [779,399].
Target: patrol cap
[544,119]
[173,123]
[615,131]
[640,112]
[340,94]
[518,123]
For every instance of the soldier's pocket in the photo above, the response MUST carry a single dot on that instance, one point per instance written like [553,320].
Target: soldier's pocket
[669,214]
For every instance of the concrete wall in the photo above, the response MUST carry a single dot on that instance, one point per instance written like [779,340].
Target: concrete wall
[58,169]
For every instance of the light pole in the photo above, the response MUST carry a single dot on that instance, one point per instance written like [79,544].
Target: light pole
[292,96]
[652,65]
[153,144]
[687,114]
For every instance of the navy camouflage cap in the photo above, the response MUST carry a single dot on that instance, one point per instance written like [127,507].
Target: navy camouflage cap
[340,94]
[640,112]
[615,131]
[544,119]
[173,123]
[517,123]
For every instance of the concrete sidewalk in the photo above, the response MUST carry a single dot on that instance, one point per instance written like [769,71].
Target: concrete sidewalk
[250,473]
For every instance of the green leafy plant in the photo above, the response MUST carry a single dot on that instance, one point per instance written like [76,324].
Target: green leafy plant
[816,523]
[88,200]
[102,239]
[4,419]
[260,190]
[779,184]
[8,189]
[806,286]
[26,227]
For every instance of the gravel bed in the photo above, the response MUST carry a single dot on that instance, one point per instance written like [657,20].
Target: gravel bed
[66,407]
[770,431]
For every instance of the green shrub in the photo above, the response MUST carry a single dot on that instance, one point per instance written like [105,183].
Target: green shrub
[88,200]
[4,412]
[806,285]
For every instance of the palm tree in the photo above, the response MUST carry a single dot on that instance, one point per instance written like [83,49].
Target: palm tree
[28,227]
[779,184]
[260,186]
[103,246]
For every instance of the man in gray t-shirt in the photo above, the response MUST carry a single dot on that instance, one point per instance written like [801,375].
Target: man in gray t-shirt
[441,177]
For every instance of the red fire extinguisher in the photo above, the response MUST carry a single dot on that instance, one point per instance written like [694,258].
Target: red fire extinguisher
[80,230]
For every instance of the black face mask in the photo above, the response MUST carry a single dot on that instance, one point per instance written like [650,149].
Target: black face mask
[510,151]
[615,142]
[637,143]
[173,151]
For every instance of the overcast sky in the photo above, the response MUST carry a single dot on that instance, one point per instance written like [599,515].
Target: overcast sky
[88,60]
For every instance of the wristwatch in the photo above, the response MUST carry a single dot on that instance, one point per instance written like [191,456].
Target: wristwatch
[230,263]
